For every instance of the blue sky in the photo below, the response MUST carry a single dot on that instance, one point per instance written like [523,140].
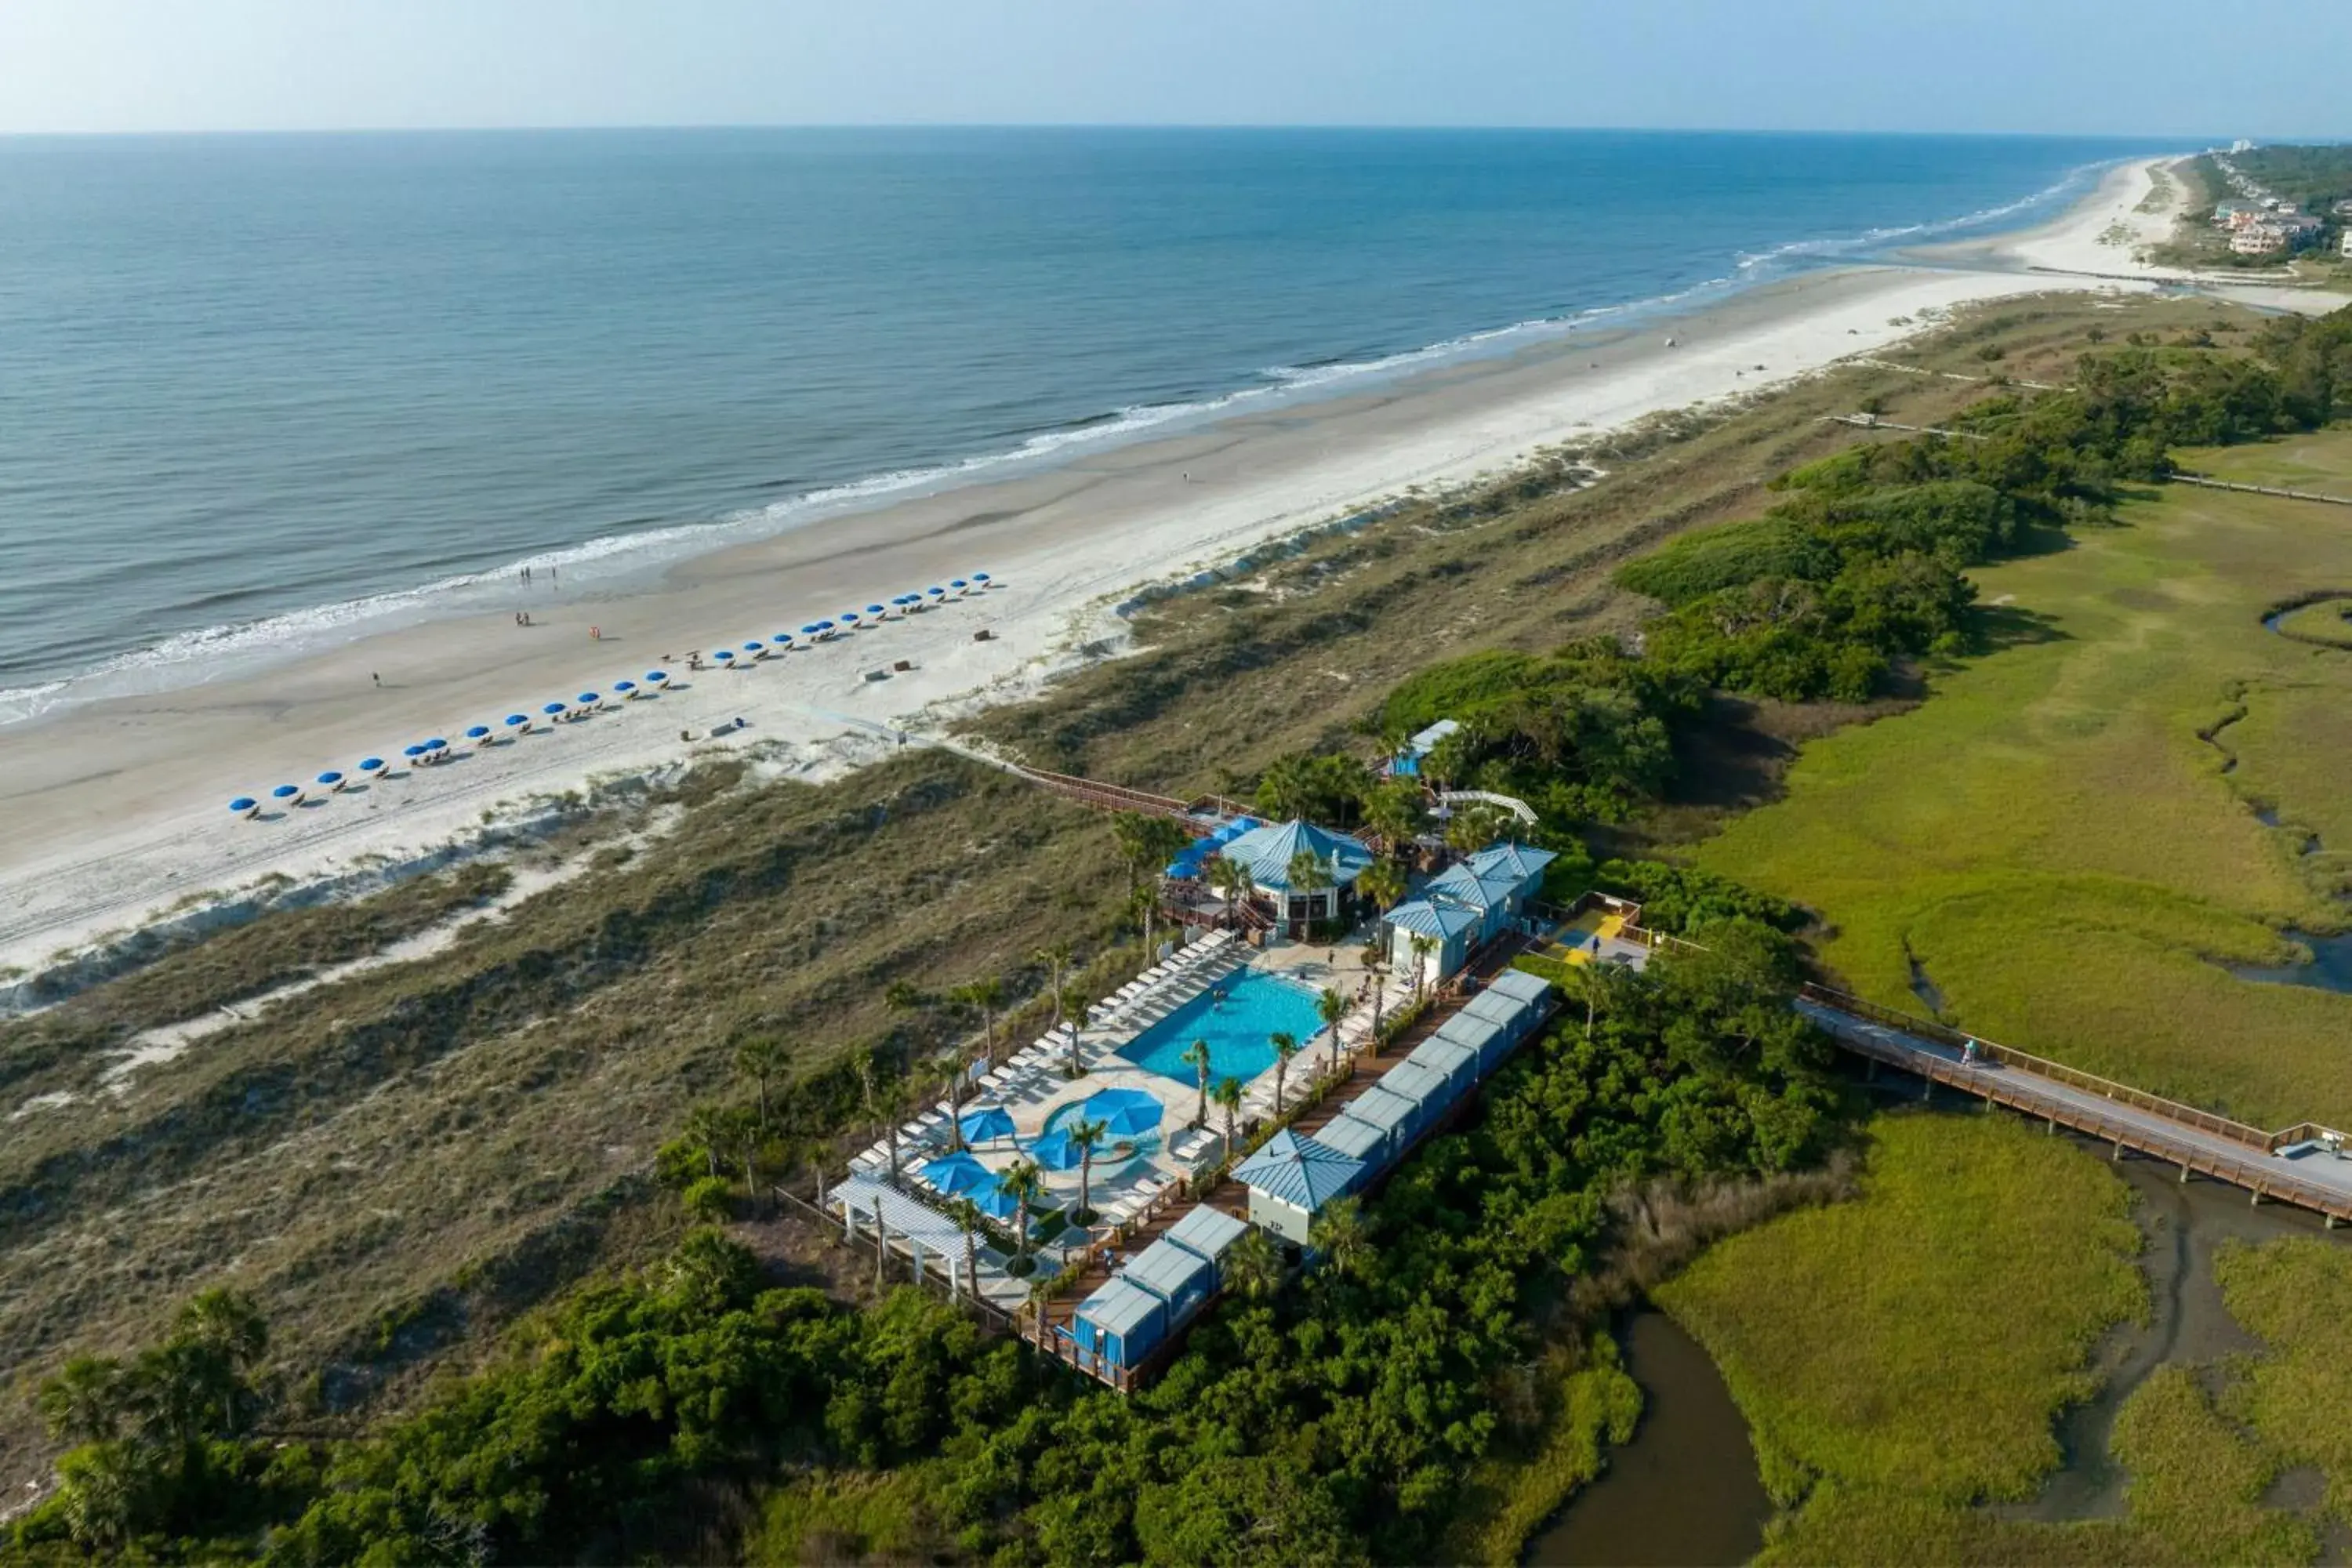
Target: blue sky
[2265,68]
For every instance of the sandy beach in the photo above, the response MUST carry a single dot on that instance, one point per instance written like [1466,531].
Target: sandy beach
[119,809]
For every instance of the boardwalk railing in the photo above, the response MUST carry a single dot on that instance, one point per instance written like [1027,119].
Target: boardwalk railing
[2180,478]
[2042,1066]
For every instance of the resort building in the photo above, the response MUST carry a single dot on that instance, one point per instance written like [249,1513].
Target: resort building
[2258,240]
[1271,855]
[1465,907]
[1293,1178]
[1407,763]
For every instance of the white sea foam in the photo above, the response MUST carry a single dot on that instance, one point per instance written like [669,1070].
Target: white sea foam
[212,652]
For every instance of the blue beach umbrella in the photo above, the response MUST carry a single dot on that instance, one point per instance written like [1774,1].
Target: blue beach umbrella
[589,699]
[754,646]
[782,639]
[412,753]
[958,584]
[1054,1152]
[657,678]
[331,779]
[984,1122]
[518,720]
[994,1202]
[371,764]
[244,806]
[551,708]
[810,629]
[957,1173]
[1127,1111]
[935,592]
[436,744]
[849,618]
[824,625]
[875,610]
[286,791]
[982,578]
[725,655]
[478,732]
[627,689]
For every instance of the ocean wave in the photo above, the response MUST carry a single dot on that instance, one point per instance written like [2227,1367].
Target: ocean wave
[210,652]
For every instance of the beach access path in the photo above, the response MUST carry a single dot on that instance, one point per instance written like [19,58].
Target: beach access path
[118,806]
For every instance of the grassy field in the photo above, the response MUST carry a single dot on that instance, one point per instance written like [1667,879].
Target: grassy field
[1860,1340]
[397,1162]
[2065,837]
[1895,1391]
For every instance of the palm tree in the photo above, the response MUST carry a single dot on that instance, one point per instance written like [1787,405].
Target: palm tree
[1339,1235]
[1253,1267]
[1231,881]
[1073,999]
[873,1108]
[966,1214]
[1084,1136]
[984,997]
[1393,812]
[1448,760]
[83,1403]
[1026,1184]
[1307,876]
[705,1125]
[1383,883]
[1285,1045]
[1331,1006]
[1474,828]
[1423,946]
[761,1058]
[1055,959]
[1196,1056]
[1228,1096]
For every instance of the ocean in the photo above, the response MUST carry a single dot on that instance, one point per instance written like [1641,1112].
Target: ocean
[258,394]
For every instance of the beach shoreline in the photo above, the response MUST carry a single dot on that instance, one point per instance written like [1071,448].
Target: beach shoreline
[118,807]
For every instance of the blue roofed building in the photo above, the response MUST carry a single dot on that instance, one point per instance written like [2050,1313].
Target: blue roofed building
[1293,1178]
[1118,1326]
[1465,907]
[1269,851]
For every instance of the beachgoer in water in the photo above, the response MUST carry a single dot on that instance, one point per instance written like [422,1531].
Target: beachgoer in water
[526,573]
[596,633]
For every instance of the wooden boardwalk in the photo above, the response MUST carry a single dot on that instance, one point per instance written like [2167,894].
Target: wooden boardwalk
[2308,1165]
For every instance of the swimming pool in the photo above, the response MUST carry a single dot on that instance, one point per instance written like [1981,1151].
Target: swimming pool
[1237,1026]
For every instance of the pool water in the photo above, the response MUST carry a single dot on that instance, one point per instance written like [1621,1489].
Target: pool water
[1237,1026]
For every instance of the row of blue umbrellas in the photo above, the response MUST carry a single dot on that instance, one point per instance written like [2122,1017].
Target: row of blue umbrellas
[852,620]
[1125,1112]
[333,780]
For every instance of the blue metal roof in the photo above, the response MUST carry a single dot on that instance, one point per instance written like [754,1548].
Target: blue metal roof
[1516,861]
[1267,852]
[1518,983]
[1495,1007]
[1206,1231]
[1479,891]
[1380,1109]
[1121,1308]
[1457,1062]
[1299,1170]
[1358,1139]
[1425,918]
[1430,1090]
[1470,1032]
[1177,1276]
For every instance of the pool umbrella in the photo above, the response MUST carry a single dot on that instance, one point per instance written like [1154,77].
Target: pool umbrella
[331,779]
[287,792]
[1126,1111]
[957,1173]
[478,732]
[994,1202]
[1054,1152]
[371,764]
[984,1122]
[244,806]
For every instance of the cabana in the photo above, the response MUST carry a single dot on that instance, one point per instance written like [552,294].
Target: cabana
[1519,984]
[1208,1233]
[1293,1178]
[1450,927]
[1425,1086]
[1507,1013]
[1394,1115]
[1406,763]
[1357,1139]
[1457,1064]
[1120,1325]
[1483,1038]
[1182,1279]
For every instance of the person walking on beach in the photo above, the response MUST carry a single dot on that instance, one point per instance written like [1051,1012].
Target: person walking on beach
[526,573]
[374,677]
